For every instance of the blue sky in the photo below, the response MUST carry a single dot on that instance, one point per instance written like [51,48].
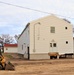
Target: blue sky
[14,19]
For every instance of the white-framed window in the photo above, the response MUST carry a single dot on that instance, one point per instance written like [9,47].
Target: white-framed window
[50,44]
[52,29]
[66,28]
[66,42]
[54,45]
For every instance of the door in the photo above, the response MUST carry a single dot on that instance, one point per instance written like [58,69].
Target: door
[28,53]
[53,47]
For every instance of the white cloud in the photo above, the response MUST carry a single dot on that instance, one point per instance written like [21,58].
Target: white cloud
[4,24]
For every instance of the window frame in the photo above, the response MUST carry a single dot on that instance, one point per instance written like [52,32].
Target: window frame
[67,42]
[54,45]
[50,44]
[66,28]
[52,29]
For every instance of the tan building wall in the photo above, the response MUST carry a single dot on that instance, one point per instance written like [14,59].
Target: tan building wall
[43,36]
[40,37]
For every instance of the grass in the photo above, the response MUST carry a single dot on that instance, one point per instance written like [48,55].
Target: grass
[9,56]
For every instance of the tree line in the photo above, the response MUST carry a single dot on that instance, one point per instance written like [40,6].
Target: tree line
[8,39]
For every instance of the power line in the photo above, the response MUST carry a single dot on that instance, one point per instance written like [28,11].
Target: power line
[24,7]
[33,9]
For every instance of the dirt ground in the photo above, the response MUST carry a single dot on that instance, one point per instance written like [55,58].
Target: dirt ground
[39,67]
[42,67]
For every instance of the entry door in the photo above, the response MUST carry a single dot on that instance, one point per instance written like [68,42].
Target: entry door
[53,47]
[28,53]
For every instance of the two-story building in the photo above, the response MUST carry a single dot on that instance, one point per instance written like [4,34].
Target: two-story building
[46,35]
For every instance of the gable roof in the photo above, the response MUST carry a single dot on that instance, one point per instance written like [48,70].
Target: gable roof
[24,30]
[50,16]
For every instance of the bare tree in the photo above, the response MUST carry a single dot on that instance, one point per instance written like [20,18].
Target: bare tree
[7,38]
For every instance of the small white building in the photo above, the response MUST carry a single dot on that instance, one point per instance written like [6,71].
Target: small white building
[46,35]
[10,48]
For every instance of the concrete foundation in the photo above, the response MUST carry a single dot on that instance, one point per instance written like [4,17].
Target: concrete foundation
[39,56]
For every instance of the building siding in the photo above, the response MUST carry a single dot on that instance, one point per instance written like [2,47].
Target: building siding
[61,35]
[40,37]
[23,43]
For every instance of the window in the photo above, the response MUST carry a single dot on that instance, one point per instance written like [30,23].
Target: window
[6,48]
[52,30]
[66,28]
[50,44]
[66,42]
[54,44]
